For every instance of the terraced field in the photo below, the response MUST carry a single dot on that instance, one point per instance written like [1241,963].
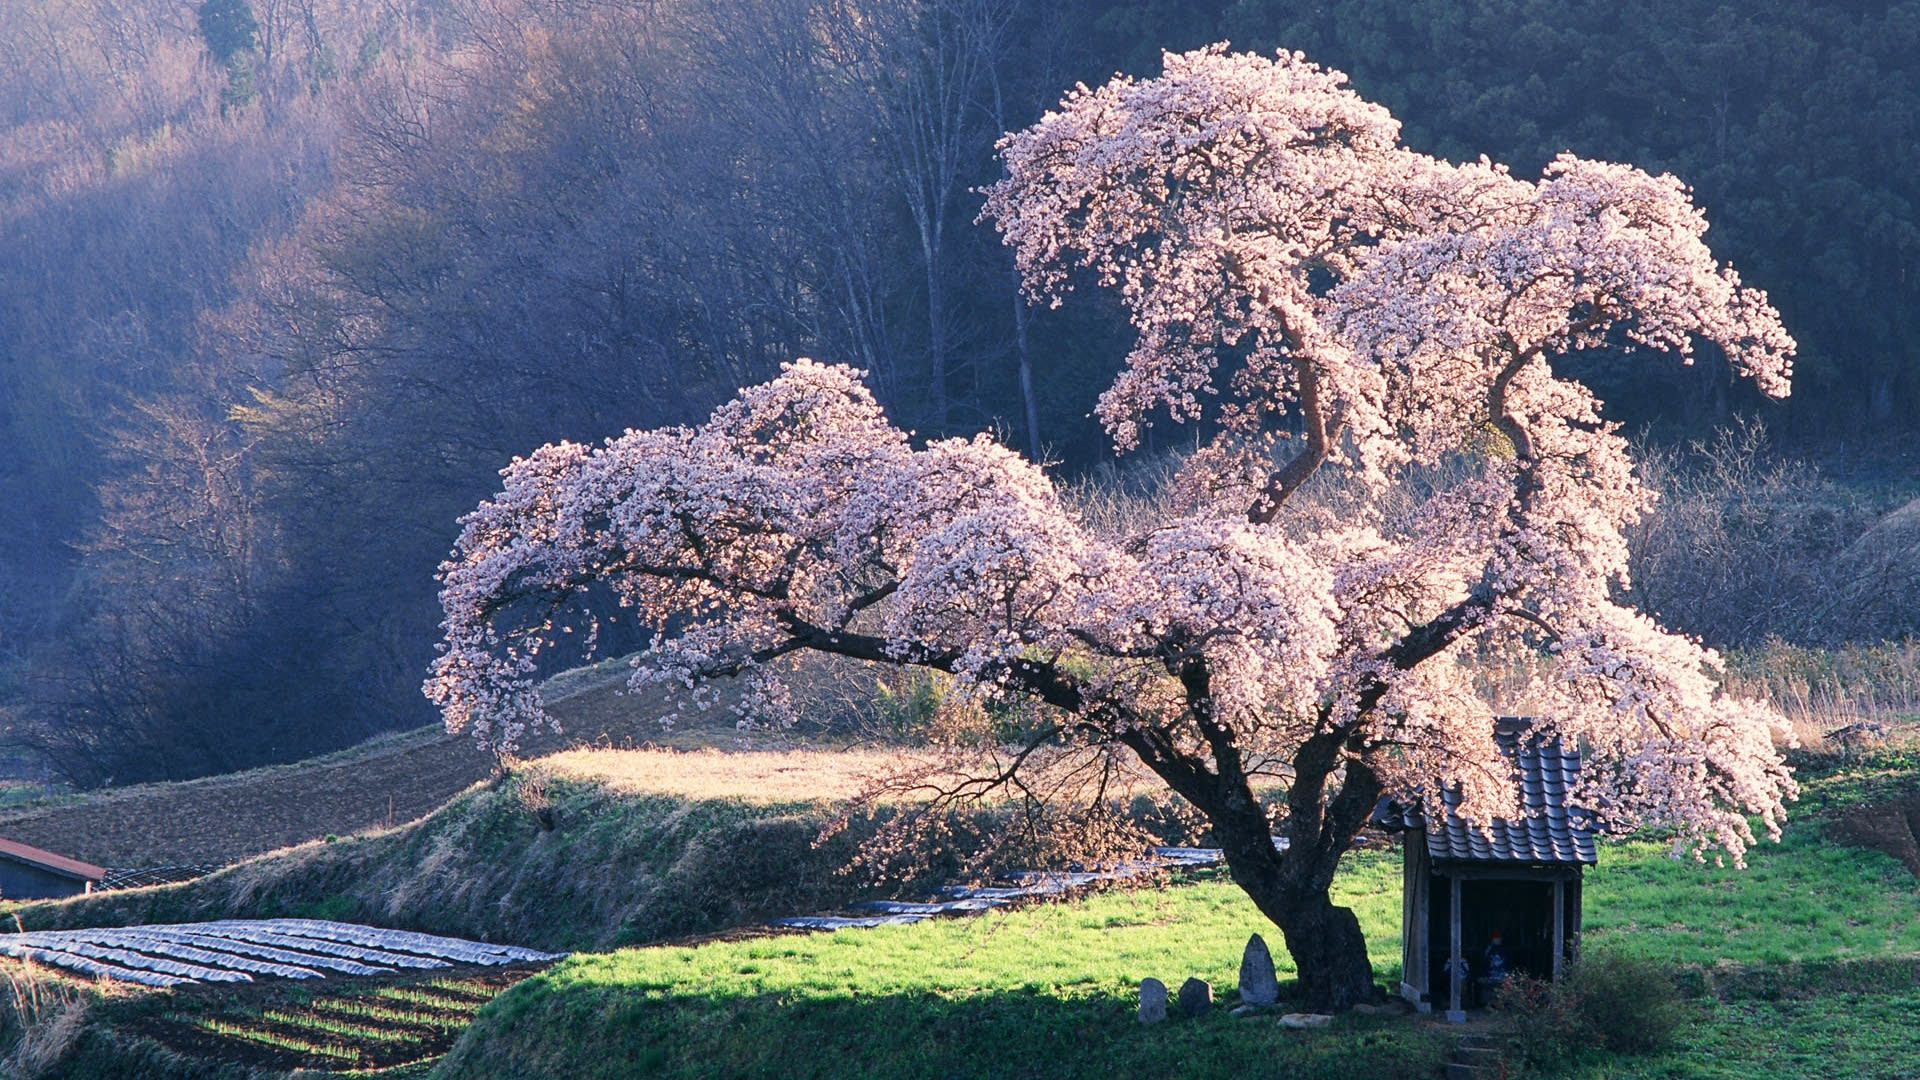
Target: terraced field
[384,782]
[376,1024]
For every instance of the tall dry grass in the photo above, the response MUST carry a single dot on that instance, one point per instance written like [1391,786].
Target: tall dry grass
[41,1014]
[1840,698]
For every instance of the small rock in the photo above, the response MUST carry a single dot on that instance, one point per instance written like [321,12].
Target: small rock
[1305,1020]
[1248,1010]
[1153,1001]
[1196,997]
[1258,983]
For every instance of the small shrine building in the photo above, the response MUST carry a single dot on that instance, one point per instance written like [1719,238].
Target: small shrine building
[1518,879]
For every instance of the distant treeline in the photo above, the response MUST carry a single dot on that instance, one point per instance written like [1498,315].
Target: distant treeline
[284,282]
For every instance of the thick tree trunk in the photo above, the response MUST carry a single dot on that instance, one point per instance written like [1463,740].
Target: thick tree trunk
[1292,889]
[1332,796]
[1329,951]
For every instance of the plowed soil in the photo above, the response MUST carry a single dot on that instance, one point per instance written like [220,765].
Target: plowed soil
[227,818]
[389,781]
[356,1024]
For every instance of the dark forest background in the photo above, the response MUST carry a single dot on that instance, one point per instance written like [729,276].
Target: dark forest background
[284,282]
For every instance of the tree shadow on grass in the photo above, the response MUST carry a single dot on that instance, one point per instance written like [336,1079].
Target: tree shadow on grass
[600,1031]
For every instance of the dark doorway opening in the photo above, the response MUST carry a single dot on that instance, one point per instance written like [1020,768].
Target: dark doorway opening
[1522,912]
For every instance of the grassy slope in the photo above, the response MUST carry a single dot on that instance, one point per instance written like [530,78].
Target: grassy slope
[1044,991]
[620,867]
[1811,958]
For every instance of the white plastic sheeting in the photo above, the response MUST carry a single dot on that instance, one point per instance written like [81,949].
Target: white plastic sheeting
[236,950]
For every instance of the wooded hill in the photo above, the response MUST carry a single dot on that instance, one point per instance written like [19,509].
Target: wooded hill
[284,282]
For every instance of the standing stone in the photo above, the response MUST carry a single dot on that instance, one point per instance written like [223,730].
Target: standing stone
[1196,997]
[1258,984]
[1153,1001]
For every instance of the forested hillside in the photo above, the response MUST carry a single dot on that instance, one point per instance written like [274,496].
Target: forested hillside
[283,283]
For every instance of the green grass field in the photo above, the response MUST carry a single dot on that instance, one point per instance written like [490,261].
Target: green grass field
[1050,990]
[1804,901]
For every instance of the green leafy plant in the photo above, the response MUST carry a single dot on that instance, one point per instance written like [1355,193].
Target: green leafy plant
[1606,1001]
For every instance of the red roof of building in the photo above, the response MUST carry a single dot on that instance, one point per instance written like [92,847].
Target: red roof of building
[59,864]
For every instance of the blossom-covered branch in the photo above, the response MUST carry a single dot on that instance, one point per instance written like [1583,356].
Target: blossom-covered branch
[1347,313]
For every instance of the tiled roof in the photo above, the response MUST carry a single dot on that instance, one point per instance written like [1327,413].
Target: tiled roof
[47,860]
[1552,831]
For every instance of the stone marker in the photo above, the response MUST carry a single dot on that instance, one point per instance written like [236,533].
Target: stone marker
[1196,997]
[1258,983]
[1305,1020]
[1153,1000]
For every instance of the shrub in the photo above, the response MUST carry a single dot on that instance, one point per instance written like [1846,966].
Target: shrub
[1745,545]
[1604,1001]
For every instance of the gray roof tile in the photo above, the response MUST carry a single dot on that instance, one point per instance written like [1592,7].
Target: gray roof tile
[1551,832]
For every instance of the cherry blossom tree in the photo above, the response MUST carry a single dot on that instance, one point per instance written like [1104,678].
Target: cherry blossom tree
[1340,314]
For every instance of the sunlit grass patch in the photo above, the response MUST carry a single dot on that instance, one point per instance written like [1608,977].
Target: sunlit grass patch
[1806,900]
[1106,942]
[759,777]
[1047,990]
[755,776]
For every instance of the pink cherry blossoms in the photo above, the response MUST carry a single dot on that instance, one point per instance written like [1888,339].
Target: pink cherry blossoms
[1352,317]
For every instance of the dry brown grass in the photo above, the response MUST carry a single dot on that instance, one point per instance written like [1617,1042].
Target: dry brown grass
[754,776]
[1857,696]
[41,1014]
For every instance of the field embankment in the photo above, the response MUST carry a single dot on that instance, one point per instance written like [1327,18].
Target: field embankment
[584,850]
[379,784]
